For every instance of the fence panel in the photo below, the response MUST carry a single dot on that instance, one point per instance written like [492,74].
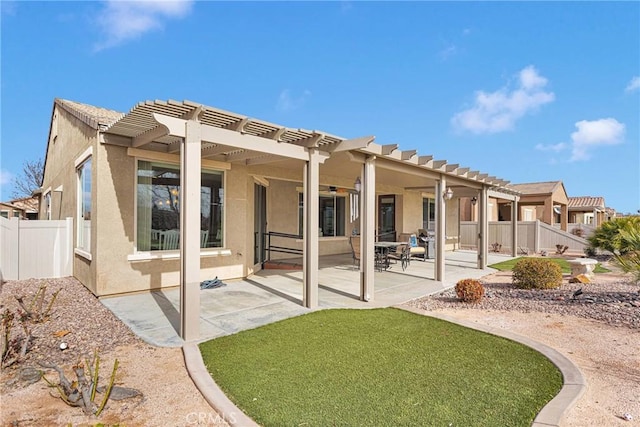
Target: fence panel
[36,249]
[8,248]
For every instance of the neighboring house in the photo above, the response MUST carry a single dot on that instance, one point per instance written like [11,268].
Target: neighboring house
[23,208]
[172,193]
[588,210]
[544,201]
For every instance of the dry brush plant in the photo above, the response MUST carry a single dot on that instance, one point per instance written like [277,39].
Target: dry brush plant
[469,290]
[536,273]
[82,391]
[14,346]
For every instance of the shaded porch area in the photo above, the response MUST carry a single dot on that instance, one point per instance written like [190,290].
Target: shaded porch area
[273,295]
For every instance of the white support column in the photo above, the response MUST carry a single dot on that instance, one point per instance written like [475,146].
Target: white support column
[483,224]
[514,227]
[311,224]
[441,229]
[368,229]
[190,182]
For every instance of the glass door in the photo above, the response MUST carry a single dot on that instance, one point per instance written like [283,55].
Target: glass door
[387,218]
[259,223]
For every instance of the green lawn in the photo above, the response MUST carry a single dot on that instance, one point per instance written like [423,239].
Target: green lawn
[379,367]
[564,265]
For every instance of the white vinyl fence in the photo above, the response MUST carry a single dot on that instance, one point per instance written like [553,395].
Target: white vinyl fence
[533,235]
[35,249]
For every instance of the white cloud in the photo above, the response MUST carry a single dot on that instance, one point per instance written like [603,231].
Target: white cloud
[634,84]
[595,133]
[287,102]
[5,177]
[498,111]
[447,52]
[122,21]
[552,147]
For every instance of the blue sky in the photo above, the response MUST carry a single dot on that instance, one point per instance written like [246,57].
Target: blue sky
[526,91]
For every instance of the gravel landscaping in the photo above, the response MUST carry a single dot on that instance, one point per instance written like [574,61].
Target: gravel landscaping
[612,299]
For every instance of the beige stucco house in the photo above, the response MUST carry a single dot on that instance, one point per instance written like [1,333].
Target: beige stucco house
[173,193]
[588,210]
[23,208]
[544,201]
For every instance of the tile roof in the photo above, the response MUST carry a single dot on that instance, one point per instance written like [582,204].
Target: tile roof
[536,187]
[96,117]
[586,202]
[27,204]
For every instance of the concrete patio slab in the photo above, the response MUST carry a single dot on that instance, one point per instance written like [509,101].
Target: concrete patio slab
[272,295]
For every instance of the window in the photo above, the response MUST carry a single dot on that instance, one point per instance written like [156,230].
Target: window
[528,214]
[332,215]
[4,214]
[84,205]
[47,205]
[16,214]
[158,216]
[429,214]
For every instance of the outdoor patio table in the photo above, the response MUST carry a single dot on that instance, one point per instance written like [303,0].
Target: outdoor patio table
[382,253]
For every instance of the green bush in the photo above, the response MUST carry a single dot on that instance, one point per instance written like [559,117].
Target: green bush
[469,290]
[536,273]
[610,235]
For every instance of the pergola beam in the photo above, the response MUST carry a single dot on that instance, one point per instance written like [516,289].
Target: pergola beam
[408,154]
[352,144]
[388,149]
[237,126]
[423,160]
[275,134]
[234,139]
[149,136]
[215,150]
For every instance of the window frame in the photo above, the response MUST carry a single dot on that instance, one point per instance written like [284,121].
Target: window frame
[325,195]
[80,163]
[206,167]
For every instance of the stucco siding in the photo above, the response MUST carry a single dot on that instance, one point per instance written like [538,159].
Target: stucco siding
[116,225]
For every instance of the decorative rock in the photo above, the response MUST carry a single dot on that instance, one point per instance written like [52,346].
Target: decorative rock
[121,393]
[30,375]
[580,278]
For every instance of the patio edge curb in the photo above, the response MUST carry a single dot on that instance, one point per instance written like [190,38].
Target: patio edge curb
[573,382]
[210,390]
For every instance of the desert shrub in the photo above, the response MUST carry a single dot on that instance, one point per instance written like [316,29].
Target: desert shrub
[469,290]
[608,236]
[622,237]
[536,273]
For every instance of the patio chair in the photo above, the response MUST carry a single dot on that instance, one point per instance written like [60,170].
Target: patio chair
[402,254]
[204,238]
[354,241]
[170,240]
[417,247]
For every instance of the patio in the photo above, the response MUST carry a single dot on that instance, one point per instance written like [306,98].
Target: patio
[272,295]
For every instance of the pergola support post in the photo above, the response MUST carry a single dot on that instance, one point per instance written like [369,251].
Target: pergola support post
[311,202]
[368,229]
[190,182]
[483,223]
[441,230]
[514,227]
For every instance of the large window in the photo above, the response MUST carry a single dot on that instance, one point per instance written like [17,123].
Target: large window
[159,207]
[332,215]
[429,214]
[84,205]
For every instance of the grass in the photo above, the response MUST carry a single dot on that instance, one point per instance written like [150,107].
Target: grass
[564,265]
[379,367]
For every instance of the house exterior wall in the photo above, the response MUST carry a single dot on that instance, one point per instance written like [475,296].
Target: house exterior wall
[116,224]
[69,138]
